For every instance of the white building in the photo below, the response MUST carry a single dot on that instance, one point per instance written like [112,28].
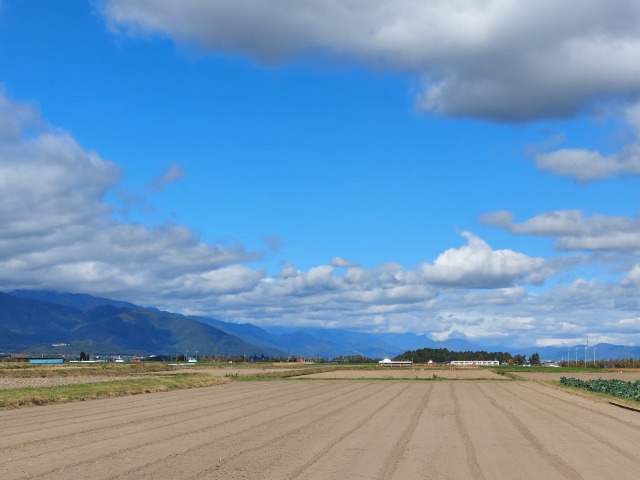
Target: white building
[387,362]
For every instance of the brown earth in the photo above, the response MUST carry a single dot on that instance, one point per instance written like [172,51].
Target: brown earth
[412,373]
[346,429]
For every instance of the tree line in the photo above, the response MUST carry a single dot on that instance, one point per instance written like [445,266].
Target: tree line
[444,355]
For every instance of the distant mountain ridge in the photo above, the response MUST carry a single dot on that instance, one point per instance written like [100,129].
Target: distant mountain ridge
[106,326]
[79,301]
[34,320]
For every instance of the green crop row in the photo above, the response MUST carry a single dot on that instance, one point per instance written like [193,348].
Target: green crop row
[617,388]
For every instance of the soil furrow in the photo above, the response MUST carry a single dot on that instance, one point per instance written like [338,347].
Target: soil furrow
[391,462]
[343,435]
[583,427]
[122,429]
[174,437]
[562,467]
[556,396]
[330,429]
[129,406]
[151,469]
[472,460]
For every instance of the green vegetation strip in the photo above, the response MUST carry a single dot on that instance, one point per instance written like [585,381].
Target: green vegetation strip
[80,370]
[615,388]
[89,391]
[516,368]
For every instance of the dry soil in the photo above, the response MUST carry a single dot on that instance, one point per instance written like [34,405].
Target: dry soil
[327,429]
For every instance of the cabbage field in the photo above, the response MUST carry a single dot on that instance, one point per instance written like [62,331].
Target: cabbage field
[617,388]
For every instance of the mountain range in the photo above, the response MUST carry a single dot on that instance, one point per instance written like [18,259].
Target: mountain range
[46,322]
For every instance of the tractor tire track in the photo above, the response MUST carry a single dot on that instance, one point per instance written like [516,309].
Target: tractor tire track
[609,416]
[164,426]
[146,404]
[175,436]
[584,429]
[237,453]
[135,424]
[562,467]
[391,462]
[297,472]
[471,458]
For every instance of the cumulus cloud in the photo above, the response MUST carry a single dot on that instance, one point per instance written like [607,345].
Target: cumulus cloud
[573,231]
[504,60]
[15,118]
[58,232]
[341,262]
[477,265]
[633,276]
[585,165]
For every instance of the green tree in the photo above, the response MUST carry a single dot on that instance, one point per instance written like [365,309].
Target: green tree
[519,360]
[534,359]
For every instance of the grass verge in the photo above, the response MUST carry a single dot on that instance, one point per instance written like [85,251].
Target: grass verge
[80,370]
[514,368]
[18,397]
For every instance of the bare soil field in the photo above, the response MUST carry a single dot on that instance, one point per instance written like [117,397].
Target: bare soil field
[355,429]
[412,373]
[236,371]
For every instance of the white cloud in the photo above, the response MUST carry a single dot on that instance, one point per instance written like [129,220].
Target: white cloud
[506,60]
[633,276]
[499,296]
[564,222]
[588,165]
[477,265]
[226,280]
[15,118]
[58,231]
[342,263]
[574,231]
[173,173]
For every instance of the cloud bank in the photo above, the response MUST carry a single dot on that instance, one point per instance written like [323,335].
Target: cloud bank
[585,165]
[503,60]
[575,232]
[58,232]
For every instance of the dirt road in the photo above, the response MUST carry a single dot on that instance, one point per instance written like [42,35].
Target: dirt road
[327,429]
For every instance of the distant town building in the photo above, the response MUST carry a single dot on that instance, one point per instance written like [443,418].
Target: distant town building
[387,362]
[482,363]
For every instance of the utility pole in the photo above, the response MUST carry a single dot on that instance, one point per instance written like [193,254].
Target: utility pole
[585,352]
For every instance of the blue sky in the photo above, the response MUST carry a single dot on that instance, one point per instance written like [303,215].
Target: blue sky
[467,171]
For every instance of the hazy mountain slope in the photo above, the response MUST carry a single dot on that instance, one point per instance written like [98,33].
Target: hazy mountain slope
[27,324]
[39,318]
[79,301]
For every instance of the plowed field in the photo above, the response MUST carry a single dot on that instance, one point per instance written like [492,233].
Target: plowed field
[327,429]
